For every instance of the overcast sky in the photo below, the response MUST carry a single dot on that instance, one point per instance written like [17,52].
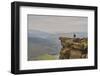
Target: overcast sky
[53,24]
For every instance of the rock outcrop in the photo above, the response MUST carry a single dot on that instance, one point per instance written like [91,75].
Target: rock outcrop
[73,48]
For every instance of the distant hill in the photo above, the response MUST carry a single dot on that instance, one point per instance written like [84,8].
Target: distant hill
[70,35]
[40,42]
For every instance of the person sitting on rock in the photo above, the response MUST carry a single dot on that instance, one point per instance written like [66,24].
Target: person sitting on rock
[74,35]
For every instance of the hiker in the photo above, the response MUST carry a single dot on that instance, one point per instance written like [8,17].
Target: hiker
[74,35]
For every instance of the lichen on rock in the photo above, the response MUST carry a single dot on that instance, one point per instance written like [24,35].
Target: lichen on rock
[73,48]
